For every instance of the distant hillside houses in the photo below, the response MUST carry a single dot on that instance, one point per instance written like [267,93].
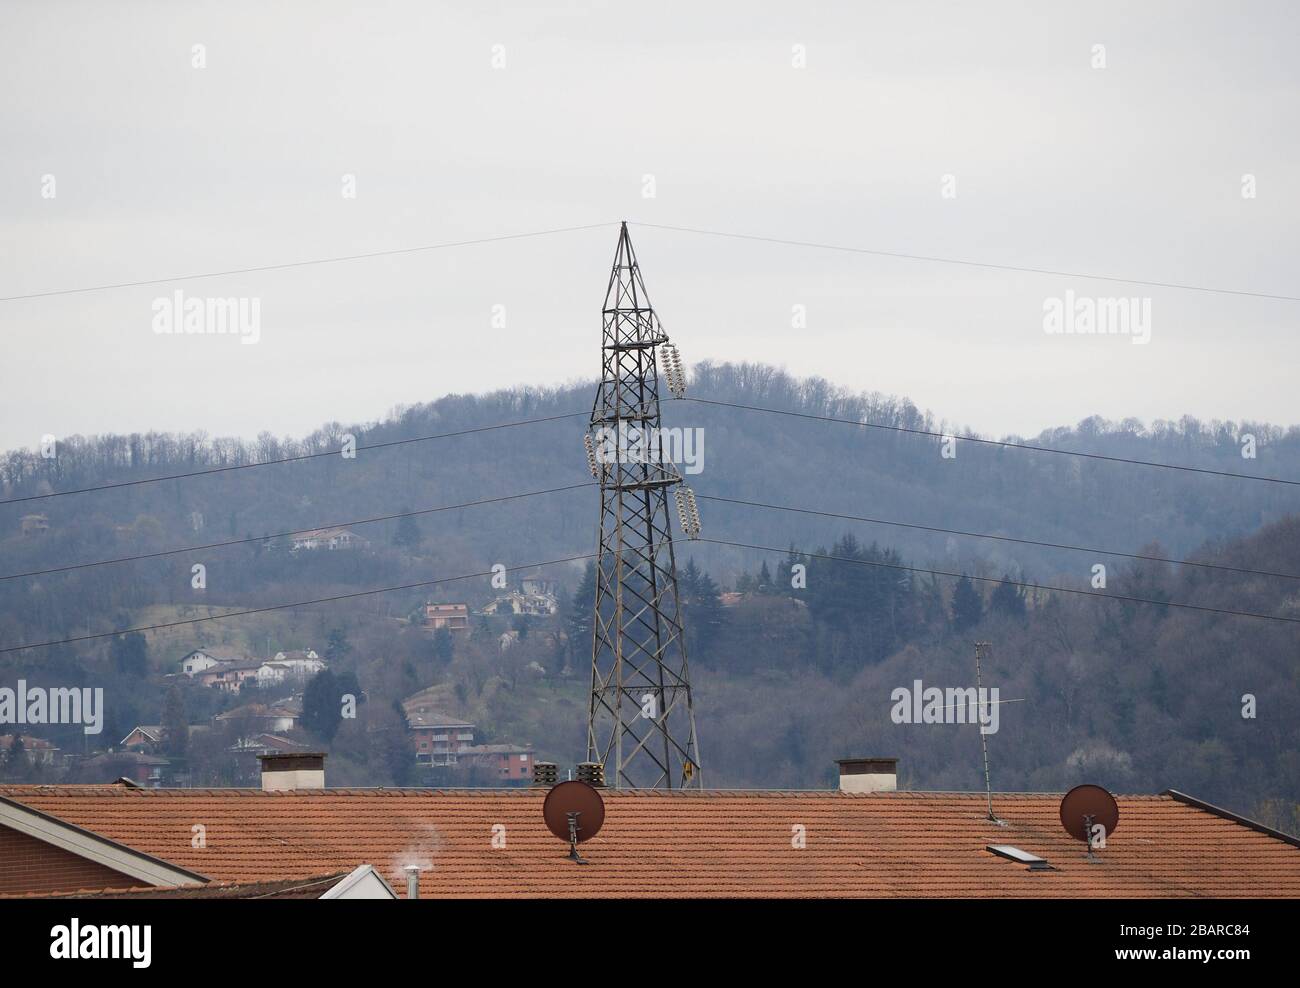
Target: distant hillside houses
[228,669]
[37,751]
[206,658]
[149,738]
[440,739]
[537,604]
[327,538]
[296,666]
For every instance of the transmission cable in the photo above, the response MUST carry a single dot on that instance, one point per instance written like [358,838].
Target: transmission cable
[294,459]
[1014,583]
[1000,538]
[296,531]
[990,442]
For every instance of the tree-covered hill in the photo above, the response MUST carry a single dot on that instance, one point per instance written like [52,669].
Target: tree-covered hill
[1139,697]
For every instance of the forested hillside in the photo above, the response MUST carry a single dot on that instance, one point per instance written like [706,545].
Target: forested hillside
[1136,696]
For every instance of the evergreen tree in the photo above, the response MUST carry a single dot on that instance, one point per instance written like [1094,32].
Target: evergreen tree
[967,605]
[443,645]
[130,654]
[792,558]
[408,535]
[701,607]
[1007,598]
[764,578]
[337,645]
[577,612]
[688,582]
[175,725]
[322,705]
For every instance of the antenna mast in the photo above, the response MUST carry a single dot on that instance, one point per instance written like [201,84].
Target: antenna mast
[984,741]
[641,721]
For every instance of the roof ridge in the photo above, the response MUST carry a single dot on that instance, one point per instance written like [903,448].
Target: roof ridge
[113,789]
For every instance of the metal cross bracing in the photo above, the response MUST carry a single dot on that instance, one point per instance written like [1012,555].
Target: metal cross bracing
[641,720]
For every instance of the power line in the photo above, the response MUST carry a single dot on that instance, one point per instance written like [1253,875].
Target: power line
[307,263]
[295,459]
[296,531]
[592,555]
[993,442]
[1014,583]
[1001,538]
[282,607]
[966,263]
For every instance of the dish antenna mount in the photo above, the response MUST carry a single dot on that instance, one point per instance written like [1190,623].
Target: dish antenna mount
[1090,814]
[574,812]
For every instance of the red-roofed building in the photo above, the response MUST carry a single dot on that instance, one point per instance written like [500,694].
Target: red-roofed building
[720,844]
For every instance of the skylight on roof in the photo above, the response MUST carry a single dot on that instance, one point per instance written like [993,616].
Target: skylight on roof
[1012,853]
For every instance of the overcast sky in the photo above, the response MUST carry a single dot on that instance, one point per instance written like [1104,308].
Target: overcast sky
[163,168]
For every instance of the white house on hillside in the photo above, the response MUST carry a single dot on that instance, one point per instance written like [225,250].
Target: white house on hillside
[328,538]
[206,658]
[295,665]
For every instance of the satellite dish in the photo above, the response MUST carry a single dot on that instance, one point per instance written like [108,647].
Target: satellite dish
[1086,807]
[574,812]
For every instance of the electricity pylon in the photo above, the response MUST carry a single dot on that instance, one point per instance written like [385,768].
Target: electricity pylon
[641,721]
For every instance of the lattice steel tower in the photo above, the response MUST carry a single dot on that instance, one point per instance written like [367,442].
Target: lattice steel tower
[641,722]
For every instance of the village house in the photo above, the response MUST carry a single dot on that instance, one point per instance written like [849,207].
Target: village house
[438,738]
[293,666]
[249,750]
[229,677]
[34,524]
[258,718]
[143,737]
[504,762]
[453,617]
[265,743]
[202,659]
[327,538]
[149,737]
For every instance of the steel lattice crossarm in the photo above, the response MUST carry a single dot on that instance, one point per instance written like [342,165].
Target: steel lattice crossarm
[641,719]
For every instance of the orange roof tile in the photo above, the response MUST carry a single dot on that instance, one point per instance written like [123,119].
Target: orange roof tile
[710,844]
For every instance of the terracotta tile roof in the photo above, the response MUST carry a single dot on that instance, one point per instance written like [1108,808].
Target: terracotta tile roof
[722,843]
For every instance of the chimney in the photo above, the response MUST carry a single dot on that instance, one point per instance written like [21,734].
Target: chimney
[300,770]
[868,774]
[412,881]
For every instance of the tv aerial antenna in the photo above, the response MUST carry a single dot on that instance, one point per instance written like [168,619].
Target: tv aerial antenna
[574,812]
[981,651]
[1090,814]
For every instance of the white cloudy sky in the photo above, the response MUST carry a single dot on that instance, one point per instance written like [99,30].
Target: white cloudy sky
[164,169]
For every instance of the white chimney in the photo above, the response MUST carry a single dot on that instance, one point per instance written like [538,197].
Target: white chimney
[412,881]
[868,774]
[298,770]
